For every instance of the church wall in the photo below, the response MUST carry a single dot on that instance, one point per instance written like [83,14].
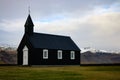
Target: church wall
[36,58]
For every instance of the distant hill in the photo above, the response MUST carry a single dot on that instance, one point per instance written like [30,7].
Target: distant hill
[99,58]
[8,55]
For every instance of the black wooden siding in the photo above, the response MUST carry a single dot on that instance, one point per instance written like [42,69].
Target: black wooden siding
[36,58]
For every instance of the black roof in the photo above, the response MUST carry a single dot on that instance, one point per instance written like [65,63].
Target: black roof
[48,41]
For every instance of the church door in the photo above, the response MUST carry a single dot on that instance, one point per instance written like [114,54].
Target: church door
[25,55]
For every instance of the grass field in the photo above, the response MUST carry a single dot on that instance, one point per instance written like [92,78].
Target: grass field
[60,73]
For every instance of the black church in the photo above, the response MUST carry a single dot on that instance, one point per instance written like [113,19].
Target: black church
[46,49]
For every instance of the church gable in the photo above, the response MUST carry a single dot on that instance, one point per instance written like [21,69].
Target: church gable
[24,41]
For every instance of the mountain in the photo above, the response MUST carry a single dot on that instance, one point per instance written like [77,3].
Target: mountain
[92,50]
[92,56]
[8,55]
[89,57]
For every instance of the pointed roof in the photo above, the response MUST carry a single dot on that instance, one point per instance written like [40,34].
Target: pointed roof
[49,41]
[29,22]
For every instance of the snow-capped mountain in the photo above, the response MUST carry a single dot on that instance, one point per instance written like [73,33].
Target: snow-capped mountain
[7,47]
[92,50]
[86,49]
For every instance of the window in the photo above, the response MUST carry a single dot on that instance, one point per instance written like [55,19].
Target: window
[45,54]
[59,54]
[72,55]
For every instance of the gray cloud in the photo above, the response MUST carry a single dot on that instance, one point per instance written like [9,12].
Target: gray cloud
[93,23]
[101,30]
[41,8]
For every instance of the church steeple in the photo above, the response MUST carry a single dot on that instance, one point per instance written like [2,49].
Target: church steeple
[29,25]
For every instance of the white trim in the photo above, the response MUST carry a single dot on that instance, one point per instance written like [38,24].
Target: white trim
[25,55]
[45,54]
[72,55]
[59,54]
[25,48]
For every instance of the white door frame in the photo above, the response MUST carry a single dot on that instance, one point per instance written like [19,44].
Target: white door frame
[25,55]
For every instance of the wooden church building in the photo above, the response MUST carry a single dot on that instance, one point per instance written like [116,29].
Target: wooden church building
[46,49]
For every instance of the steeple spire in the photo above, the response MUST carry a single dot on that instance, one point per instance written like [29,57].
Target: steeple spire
[29,25]
[28,9]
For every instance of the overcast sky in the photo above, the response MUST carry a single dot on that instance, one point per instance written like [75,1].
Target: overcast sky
[90,23]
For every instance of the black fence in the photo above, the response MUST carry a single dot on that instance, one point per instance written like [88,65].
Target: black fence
[8,64]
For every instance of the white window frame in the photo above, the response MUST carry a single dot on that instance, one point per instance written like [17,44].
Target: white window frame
[72,55]
[59,54]
[45,54]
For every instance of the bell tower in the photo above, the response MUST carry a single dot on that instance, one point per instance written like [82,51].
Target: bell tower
[29,26]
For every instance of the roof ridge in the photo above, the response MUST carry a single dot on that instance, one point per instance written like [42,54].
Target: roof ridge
[51,34]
